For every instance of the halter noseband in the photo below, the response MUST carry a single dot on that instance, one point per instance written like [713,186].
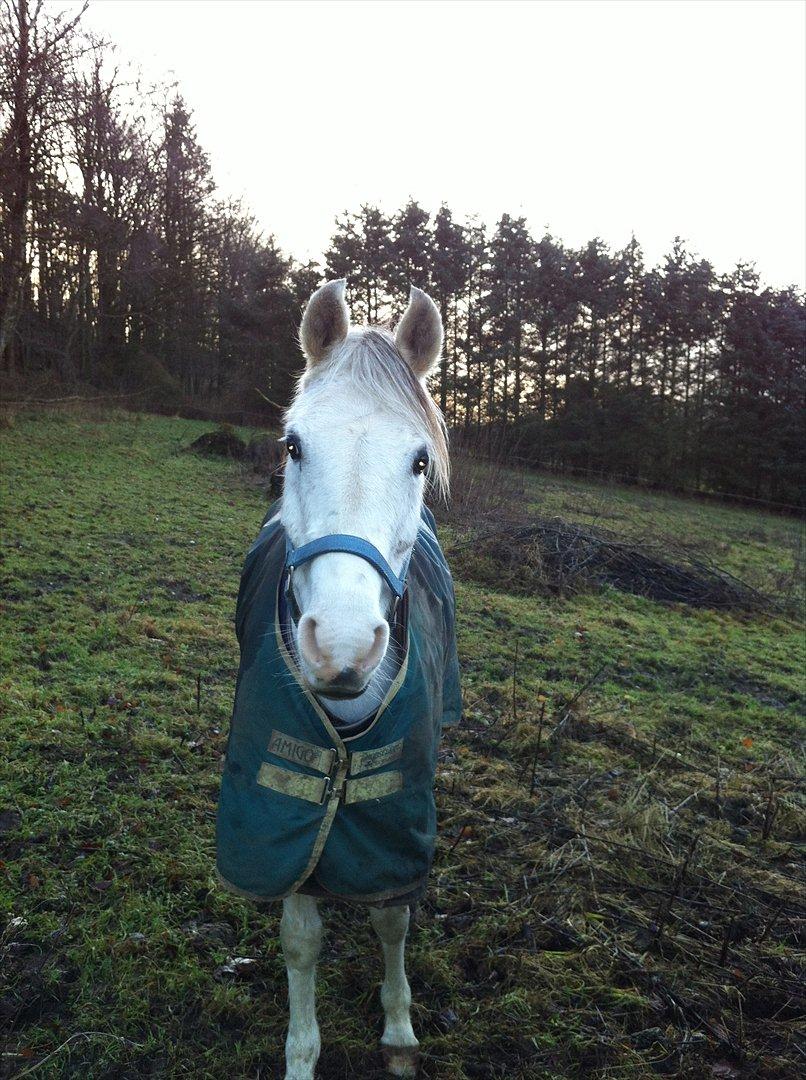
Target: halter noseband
[349,545]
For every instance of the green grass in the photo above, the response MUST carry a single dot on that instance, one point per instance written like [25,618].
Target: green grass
[534,954]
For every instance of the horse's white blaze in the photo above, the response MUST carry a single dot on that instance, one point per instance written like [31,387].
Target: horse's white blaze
[354,476]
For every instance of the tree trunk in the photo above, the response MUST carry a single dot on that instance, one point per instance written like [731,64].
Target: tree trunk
[14,287]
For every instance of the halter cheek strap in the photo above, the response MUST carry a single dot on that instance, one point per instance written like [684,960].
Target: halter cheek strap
[348,545]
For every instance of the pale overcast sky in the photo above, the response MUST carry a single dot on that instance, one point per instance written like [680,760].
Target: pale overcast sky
[592,118]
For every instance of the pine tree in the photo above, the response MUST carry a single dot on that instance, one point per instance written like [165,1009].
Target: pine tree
[450,259]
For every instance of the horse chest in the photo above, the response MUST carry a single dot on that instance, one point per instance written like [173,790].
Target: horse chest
[299,803]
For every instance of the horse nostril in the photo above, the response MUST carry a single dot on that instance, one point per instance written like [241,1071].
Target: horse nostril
[308,644]
[380,639]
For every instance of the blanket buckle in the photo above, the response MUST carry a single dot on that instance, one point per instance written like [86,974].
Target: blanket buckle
[329,788]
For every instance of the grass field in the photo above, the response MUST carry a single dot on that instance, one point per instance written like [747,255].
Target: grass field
[618,888]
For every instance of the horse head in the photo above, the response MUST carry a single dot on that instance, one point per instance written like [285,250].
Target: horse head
[363,438]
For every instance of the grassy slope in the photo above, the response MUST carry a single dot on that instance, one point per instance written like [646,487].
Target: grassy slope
[122,558]
[764,549]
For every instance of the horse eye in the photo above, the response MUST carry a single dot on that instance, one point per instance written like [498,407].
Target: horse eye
[293,448]
[420,463]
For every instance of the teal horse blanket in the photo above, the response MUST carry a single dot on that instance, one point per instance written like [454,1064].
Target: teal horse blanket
[303,808]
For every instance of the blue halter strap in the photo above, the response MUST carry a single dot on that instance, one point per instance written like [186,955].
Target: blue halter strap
[349,545]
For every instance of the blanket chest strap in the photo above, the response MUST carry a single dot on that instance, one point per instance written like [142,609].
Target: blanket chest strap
[372,787]
[301,752]
[313,789]
[319,789]
[324,760]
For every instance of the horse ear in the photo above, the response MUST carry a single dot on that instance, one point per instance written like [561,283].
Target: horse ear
[325,322]
[419,333]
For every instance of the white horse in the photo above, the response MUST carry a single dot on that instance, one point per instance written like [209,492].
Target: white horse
[360,450]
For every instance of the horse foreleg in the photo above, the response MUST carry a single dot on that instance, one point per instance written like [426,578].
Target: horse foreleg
[399,1043]
[301,939]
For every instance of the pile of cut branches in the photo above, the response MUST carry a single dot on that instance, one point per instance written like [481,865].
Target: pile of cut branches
[566,557]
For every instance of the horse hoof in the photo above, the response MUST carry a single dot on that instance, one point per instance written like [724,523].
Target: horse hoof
[401,1060]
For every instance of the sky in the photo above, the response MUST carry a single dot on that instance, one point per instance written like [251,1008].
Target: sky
[590,118]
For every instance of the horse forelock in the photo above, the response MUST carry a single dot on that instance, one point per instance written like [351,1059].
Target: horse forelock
[371,363]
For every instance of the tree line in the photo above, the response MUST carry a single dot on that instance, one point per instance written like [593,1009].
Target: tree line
[122,268]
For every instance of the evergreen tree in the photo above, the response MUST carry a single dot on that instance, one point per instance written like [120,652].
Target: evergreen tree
[411,255]
[450,259]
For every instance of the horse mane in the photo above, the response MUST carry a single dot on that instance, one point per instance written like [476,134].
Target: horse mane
[372,362]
